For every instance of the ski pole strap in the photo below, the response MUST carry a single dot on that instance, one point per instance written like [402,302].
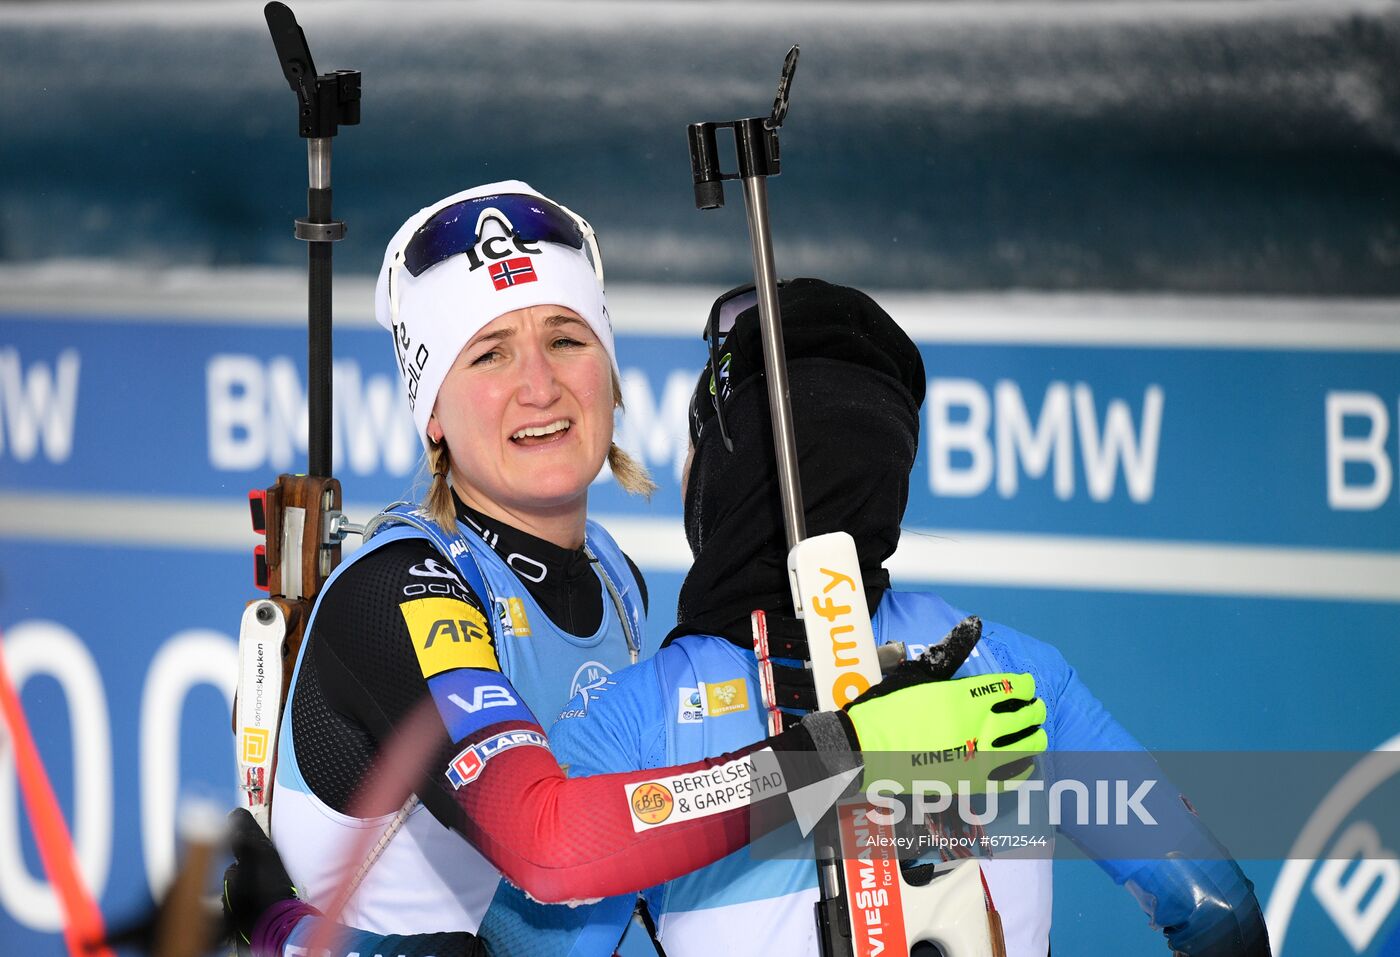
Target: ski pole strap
[787,637]
[794,688]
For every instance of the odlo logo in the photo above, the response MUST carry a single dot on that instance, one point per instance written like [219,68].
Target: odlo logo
[412,361]
[454,629]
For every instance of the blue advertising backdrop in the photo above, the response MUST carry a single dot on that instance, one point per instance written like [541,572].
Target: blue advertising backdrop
[1194,497]
[1206,528]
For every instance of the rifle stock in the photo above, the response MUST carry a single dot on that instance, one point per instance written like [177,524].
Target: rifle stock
[300,554]
[952,910]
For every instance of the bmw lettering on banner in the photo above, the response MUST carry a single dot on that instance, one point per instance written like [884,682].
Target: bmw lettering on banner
[1196,502]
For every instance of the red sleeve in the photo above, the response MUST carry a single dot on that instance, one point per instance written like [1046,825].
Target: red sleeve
[382,645]
[564,839]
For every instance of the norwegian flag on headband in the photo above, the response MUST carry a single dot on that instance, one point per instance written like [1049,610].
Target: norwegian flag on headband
[513,272]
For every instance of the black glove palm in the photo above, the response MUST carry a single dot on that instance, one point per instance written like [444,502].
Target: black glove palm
[794,690]
[255,880]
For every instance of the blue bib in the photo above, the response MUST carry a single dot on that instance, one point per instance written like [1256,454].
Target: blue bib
[546,664]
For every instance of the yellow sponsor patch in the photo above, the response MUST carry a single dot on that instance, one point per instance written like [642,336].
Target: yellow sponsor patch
[726,697]
[519,622]
[448,633]
[254,745]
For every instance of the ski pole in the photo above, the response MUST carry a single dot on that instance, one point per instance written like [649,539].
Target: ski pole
[324,103]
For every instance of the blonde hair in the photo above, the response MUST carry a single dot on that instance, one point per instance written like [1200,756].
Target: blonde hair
[630,474]
[439,503]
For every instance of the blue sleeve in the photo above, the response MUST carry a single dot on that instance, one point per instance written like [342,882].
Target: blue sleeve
[1204,904]
[515,925]
[599,729]
[1077,720]
[597,732]
[1206,908]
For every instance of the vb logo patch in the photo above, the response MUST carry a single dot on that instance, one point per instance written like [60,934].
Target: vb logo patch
[651,802]
[726,697]
[448,633]
[254,745]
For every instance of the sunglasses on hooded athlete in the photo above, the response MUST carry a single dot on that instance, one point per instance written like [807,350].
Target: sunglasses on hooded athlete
[723,315]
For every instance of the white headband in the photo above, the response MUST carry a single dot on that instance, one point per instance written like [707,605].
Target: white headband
[433,315]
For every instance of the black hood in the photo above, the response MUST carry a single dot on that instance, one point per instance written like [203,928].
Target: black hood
[856,381]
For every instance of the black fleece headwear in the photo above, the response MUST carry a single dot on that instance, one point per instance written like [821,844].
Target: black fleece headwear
[857,382]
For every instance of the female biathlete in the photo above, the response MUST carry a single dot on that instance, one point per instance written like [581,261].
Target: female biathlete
[497,601]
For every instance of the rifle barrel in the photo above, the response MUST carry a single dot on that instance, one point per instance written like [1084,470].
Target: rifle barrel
[774,361]
[318,339]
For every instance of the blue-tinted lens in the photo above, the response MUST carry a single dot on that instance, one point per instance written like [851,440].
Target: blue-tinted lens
[452,229]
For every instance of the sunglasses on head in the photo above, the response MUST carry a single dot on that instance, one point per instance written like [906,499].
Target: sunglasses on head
[458,227]
[723,315]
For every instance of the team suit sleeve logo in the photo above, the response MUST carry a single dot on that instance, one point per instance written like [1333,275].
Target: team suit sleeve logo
[448,633]
[467,766]
[457,655]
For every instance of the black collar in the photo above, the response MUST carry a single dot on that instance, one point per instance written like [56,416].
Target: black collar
[535,560]
[561,580]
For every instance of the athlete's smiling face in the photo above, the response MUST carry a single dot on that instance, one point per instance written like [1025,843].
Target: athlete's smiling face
[527,414]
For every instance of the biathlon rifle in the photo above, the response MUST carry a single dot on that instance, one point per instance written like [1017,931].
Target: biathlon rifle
[299,516]
[953,910]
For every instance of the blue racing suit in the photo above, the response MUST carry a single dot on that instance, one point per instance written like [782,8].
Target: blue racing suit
[700,696]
